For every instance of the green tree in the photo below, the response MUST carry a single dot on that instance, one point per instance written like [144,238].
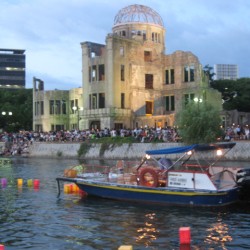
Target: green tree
[208,73]
[199,123]
[235,93]
[19,102]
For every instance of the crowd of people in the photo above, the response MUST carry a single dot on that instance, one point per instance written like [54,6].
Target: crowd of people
[18,143]
[237,133]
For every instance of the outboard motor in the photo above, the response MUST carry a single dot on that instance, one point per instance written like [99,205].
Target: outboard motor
[243,181]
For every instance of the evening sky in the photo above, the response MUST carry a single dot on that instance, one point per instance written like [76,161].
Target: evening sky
[50,32]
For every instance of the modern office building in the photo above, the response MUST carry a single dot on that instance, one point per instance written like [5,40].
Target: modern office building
[129,81]
[226,72]
[12,68]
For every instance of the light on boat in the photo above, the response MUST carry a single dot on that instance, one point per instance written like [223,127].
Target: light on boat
[189,152]
[219,152]
[147,156]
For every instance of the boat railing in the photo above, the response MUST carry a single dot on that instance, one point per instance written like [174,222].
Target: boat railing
[195,167]
[124,172]
[83,170]
[121,172]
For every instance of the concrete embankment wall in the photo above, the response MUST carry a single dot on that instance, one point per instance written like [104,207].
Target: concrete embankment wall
[241,152]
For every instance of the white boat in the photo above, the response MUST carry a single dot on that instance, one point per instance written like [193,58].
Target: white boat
[188,178]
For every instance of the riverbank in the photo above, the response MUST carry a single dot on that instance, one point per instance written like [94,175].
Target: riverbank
[241,151]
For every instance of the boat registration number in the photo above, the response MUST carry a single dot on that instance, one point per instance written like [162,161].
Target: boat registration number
[180,180]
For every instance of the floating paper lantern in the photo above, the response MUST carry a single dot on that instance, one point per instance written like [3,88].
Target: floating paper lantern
[20,182]
[185,236]
[3,182]
[36,183]
[29,182]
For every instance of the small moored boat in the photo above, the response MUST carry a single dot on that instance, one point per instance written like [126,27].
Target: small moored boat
[172,176]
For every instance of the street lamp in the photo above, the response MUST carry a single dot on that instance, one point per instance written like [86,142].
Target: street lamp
[75,108]
[4,113]
[196,99]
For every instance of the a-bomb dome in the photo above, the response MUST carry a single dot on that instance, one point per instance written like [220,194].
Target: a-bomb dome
[138,14]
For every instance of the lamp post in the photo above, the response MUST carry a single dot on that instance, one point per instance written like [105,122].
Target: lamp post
[197,100]
[4,113]
[76,108]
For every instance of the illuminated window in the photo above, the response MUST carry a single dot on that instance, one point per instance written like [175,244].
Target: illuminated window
[149,108]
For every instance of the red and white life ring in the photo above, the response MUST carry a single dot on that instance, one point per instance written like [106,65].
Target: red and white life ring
[148,177]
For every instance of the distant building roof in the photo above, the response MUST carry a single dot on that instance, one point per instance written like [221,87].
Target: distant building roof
[13,51]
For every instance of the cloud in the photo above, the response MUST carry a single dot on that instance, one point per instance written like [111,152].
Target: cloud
[51,32]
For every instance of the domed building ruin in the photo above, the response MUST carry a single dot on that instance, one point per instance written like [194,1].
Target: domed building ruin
[130,81]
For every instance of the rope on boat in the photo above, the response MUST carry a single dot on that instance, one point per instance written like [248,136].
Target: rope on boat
[58,187]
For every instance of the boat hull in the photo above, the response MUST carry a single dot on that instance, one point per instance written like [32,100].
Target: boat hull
[161,196]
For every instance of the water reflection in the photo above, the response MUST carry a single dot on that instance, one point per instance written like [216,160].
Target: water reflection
[36,219]
[218,233]
[148,233]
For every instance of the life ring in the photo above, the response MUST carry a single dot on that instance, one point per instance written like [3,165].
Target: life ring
[148,177]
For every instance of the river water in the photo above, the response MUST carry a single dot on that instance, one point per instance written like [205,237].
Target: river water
[36,219]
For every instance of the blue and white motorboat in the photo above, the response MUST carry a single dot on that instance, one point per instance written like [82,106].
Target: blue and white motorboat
[170,176]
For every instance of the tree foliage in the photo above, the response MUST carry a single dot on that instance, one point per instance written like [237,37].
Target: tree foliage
[19,102]
[235,93]
[208,72]
[199,123]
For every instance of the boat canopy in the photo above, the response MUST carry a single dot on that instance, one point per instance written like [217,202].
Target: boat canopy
[175,150]
[195,147]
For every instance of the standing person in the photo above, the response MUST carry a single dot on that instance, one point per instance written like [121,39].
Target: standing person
[246,133]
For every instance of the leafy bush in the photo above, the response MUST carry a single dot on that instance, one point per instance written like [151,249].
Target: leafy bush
[199,123]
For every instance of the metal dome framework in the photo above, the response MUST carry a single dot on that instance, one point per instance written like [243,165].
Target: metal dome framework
[138,14]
